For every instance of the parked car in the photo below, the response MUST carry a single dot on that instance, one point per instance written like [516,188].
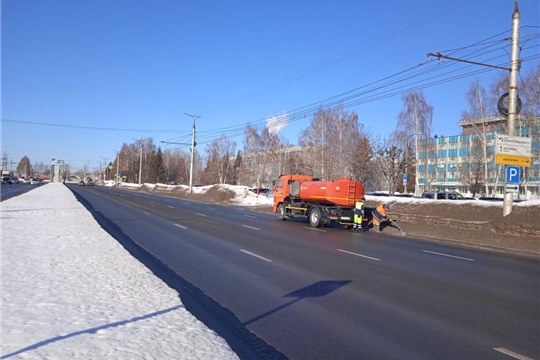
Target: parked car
[491,198]
[90,183]
[377,193]
[6,180]
[404,195]
[443,195]
[259,190]
[14,180]
[81,183]
[35,181]
[26,181]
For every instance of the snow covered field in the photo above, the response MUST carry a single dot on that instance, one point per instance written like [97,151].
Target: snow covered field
[71,291]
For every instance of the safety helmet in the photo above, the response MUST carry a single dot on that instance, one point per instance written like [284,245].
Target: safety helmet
[363,198]
[387,206]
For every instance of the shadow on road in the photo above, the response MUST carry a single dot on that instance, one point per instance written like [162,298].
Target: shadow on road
[318,289]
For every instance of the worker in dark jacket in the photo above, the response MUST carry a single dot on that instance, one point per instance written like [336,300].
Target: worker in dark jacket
[380,217]
[359,215]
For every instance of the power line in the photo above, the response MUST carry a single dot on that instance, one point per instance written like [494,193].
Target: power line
[360,95]
[385,37]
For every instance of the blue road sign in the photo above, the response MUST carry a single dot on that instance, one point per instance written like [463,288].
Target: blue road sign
[512,174]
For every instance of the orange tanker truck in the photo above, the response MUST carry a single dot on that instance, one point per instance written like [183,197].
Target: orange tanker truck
[321,201]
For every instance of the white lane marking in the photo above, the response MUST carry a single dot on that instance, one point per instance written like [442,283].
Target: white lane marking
[212,208]
[364,256]
[147,213]
[452,256]
[310,228]
[512,354]
[172,207]
[180,226]
[251,227]
[250,216]
[257,256]
[151,202]
[200,214]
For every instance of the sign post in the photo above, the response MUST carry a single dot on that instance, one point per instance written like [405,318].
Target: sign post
[512,179]
[513,150]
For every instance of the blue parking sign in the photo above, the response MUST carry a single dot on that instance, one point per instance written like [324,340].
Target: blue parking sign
[512,174]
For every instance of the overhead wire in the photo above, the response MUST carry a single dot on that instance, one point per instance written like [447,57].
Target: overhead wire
[308,111]
[358,96]
[385,37]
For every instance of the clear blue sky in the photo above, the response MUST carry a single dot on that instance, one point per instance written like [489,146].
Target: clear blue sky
[80,78]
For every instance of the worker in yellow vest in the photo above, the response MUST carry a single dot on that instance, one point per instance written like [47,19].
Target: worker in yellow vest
[359,215]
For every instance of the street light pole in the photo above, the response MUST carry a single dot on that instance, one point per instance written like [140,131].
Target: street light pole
[194,117]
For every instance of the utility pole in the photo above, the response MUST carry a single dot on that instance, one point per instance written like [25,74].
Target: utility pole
[193,143]
[140,164]
[116,176]
[512,92]
[105,166]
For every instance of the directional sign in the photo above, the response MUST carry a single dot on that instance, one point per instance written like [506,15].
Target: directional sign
[513,145]
[513,150]
[405,177]
[512,188]
[513,160]
[512,174]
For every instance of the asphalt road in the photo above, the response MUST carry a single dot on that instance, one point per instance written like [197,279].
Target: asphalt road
[7,191]
[329,293]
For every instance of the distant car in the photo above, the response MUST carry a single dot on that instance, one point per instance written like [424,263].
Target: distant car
[490,198]
[259,190]
[404,195]
[90,183]
[375,193]
[35,181]
[442,195]
[26,181]
[81,183]
[14,180]
[6,180]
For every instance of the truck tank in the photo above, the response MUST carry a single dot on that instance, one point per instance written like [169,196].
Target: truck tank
[343,192]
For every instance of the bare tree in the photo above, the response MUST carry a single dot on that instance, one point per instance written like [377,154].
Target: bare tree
[477,115]
[471,171]
[219,153]
[389,158]
[530,92]
[415,120]
[331,143]
[254,164]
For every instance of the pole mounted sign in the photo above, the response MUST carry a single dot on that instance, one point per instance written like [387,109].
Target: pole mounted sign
[512,178]
[513,150]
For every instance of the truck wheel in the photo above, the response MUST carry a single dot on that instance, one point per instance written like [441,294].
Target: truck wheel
[315,217]
[281,212]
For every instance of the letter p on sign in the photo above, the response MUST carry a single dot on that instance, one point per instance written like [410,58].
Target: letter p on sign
[512,174]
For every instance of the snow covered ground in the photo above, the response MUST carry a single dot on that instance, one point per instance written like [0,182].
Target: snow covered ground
[71,291]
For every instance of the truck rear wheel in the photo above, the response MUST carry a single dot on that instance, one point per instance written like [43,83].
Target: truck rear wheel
[281,212]
[315,217]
